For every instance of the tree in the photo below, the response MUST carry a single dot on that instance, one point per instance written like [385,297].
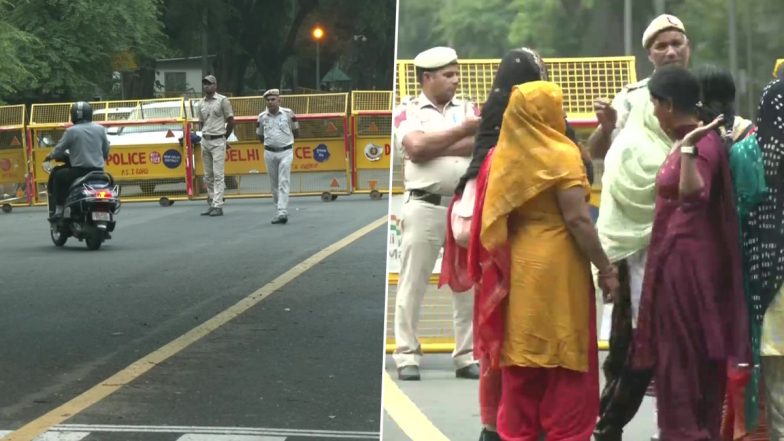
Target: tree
[254,40]
[359,38]
[590,28]
[68,49]
[758,26]
[418,23]
[13,44]
[242,33]
[465,25]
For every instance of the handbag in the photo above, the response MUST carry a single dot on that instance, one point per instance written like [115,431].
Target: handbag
[462,212]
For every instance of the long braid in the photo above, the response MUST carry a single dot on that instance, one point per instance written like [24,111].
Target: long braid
[717,91]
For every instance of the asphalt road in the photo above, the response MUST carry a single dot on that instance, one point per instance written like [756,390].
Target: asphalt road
[452,405]
[304,363]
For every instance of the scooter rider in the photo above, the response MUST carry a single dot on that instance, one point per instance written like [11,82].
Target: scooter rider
[84,145]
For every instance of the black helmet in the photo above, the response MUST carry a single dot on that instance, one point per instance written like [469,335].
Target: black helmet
[81,112]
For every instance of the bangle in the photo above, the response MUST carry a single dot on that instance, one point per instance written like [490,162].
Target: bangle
[689,150]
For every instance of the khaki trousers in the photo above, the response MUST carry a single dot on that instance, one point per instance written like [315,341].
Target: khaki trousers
[423,233]
[213,153]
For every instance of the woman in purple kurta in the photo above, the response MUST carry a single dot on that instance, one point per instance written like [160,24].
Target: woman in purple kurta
[693,319]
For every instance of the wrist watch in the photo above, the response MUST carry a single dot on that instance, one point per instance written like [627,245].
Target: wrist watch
[689,150]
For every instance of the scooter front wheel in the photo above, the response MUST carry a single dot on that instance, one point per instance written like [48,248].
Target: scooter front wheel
[59,236]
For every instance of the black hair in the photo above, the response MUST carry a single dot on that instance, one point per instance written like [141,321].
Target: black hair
[718,97]
[676,85]
[518,66]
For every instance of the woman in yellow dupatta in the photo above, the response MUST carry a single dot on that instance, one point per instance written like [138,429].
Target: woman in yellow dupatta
[536,204]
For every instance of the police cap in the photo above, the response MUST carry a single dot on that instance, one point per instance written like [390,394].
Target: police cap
[664,22]
[435,58]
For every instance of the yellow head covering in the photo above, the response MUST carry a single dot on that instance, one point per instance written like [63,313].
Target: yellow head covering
[533,154]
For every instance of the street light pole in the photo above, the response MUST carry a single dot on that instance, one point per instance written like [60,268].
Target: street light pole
[318,67]
[318,34]
[733,34]
[627,27]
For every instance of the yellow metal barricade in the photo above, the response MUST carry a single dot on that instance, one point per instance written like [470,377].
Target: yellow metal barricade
[583,80]
[371,131]
[14,170]
[320,164]
[148,154]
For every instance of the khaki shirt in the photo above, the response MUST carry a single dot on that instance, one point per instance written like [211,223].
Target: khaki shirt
[213,114]
[277,128]
[438,175]
[623,103]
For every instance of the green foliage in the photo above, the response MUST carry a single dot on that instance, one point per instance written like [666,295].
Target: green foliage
[467,25]
[758,41]
[589,28]
[360,39]
[546,26]
[67,48]
[13,43]
[61,50]
[417,28]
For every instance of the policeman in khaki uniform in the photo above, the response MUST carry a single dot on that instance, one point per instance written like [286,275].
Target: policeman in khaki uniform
[216,118]
[635,147]
[276,128]
[435,133]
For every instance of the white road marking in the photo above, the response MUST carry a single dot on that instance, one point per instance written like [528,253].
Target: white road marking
[195,437]
[55,435]
[219,430]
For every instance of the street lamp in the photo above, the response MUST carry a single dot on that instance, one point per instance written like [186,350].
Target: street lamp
[318,34]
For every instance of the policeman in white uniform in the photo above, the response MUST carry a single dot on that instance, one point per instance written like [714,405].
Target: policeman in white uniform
[277,126]
[435,134]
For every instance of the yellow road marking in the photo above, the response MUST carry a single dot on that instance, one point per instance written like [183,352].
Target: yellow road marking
[112,384]
[407,415]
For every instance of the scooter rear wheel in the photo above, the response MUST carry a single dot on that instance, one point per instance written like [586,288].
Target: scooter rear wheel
[94,238]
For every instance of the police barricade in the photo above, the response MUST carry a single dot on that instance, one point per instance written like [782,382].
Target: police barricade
[371,130]
[320,164]
[583,80]
[14,169]
[147,157]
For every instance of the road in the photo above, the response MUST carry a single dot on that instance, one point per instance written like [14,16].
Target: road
[128,327]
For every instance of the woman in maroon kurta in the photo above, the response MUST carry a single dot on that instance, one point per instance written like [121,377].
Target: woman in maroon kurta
[692,318]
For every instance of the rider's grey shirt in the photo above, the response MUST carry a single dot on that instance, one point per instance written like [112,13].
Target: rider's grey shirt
[87,143]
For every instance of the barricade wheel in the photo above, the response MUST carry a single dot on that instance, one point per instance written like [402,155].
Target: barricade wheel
[327,197]
[375,195]
[7,208]
[165,202]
